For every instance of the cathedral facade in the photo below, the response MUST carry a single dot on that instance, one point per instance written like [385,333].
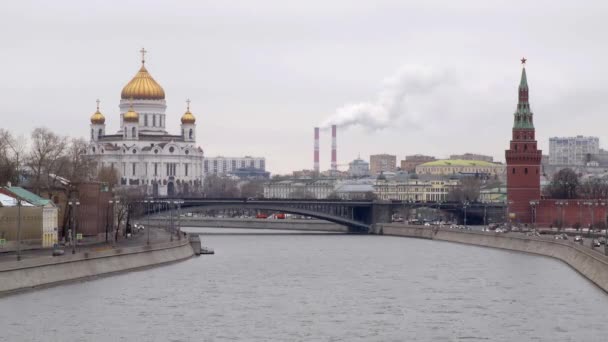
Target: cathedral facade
[142,152]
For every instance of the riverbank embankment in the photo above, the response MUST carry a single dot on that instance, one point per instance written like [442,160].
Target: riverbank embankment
[48,270]
[253,223]
[589,263]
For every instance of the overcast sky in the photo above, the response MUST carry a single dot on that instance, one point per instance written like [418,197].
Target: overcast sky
[404,77]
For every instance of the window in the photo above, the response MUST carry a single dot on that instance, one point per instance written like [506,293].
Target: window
[526,171]
[153,120]
[186,169]
[146,120]
[191,133]
[100,134]
[134,151]
[513,171]
[171,169]
[156,169]
[133,132]
[171,149]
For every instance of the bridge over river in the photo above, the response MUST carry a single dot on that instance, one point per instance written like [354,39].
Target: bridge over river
[359,216]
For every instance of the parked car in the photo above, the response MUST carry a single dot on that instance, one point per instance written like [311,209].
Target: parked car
[596,243]
[578,238]
[602,240]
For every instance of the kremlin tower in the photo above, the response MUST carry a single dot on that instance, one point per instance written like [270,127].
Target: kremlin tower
[523,159]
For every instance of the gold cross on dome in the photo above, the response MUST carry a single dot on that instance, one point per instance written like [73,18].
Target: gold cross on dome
[98,104]
[188,104]
[143,55]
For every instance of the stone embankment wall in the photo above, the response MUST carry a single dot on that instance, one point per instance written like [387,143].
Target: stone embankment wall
[591,264]
[42,271]
[287,224]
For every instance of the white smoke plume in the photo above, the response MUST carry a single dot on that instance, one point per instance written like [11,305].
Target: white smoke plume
[404,97]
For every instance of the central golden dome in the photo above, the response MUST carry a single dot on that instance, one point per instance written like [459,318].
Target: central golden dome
[142,87]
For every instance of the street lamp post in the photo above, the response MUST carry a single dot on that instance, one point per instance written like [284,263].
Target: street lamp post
[171,220]
[18,229]
[589,205]
[151,205]
[465,205]
[113,205]
[561,205]
[74,204]
[533,204]
[485,209]
[179,222]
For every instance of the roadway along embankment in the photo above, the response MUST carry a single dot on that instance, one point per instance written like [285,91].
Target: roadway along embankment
[591,264]
[44,271]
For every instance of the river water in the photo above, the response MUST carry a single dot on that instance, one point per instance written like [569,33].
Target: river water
[296,287]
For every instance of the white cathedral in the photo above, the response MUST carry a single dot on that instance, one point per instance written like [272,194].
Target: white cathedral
[142,152]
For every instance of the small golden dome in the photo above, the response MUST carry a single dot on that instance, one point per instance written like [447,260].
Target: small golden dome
[188,118]
[131,116]
[143,87]
[97,118]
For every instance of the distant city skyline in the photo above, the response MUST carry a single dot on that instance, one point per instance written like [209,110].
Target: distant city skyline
[400,77]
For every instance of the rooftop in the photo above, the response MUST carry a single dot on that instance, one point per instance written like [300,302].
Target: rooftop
[458,162]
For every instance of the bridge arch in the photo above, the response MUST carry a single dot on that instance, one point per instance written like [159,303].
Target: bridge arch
[354,226]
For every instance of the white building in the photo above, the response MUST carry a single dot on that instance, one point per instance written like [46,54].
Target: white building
[358,168]
[414,189]
[573,150]
[302,189]
[226,165]
[142,152]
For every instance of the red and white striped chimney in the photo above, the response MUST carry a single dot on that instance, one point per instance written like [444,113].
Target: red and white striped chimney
[316,154]
[334,149]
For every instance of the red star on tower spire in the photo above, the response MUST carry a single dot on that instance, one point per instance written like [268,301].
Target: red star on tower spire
[523,60]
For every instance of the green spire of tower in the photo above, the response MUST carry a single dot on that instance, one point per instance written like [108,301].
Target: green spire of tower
[524,80]
[523,117]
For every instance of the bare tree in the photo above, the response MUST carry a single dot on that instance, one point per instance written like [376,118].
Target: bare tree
[253,188]
[108,175]
[11,157]
[128,198]
[44,158]
[467,191]
[220,187]
[564,184]
[76,165]
[593,188]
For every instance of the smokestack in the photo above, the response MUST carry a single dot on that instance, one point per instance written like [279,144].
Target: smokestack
[316,154]
[334,149]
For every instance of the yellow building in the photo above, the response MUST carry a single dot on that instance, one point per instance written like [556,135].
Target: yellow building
[448,167]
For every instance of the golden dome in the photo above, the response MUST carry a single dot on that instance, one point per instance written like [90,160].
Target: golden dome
[97,118]
[143,87]
[188,118]
[131,116]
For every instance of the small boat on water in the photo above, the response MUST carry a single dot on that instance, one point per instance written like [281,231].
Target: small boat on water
[206,250]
